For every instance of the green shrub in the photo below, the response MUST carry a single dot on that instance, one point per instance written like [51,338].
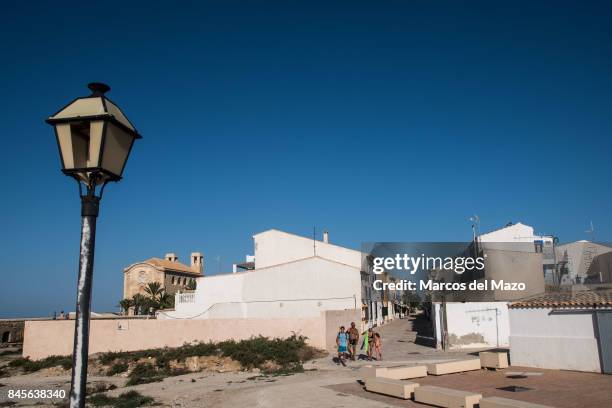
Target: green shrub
[287,353]
[110,356]
[30,366]
[255,351]
[98,387]
[130,399]
[187,350]
[117,368]
[143,373]
[18,362]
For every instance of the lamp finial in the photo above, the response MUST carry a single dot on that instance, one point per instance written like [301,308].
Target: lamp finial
[98,88]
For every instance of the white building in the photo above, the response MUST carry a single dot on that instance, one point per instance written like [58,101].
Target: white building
[471,324]
[563,330]
[292,276]
[521,237]
[513,253]
[575,258]
[514,233]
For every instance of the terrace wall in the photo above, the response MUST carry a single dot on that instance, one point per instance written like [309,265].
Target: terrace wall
[55,337]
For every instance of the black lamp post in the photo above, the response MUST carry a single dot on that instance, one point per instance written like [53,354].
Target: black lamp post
[94,138]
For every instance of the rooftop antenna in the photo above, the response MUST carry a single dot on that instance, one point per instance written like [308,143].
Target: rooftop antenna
[314,240]
[475,230]
[475,225]
[591,232]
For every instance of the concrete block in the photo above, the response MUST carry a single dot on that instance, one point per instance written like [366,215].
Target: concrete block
[446,397]
[391,387]
[405,372]
[453,366]
[372,371]
[493,359]
[498,402]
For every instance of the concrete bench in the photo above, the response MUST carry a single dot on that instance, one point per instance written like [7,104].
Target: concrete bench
[493,359]
[446,397]
[391,387]
[498,402]
[454,366]
[404,372]
[372,371]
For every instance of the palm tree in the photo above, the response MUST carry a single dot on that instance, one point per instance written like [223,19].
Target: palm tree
[139,302]
[125,305]
[166,301]
[154,290]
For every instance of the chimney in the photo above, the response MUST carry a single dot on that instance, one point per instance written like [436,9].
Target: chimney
[197,262]
[171,256]
[326,237]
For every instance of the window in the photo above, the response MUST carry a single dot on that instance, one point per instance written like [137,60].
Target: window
[173,280]
[538,246]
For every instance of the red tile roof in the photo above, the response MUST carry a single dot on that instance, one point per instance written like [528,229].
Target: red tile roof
[169,265]
[569,299]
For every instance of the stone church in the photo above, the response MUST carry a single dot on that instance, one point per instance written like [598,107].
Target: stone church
[169,272]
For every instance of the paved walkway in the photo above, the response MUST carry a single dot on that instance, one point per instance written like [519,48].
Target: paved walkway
[554,388]
[404,342]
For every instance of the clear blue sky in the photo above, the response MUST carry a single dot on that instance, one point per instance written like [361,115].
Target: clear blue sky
[390,121]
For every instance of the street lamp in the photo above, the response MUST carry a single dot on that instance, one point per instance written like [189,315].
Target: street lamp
[94,138]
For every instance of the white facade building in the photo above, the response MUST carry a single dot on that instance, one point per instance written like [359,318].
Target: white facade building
[575,258]
[514,233]
[472,324]
[293,276]
[521,237]
[563,330]
[274,247]
[513,253]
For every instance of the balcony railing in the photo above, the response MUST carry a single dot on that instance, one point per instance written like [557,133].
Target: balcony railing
[186,298]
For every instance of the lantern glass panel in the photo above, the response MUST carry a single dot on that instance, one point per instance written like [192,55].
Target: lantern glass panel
[80,144]
[117,145]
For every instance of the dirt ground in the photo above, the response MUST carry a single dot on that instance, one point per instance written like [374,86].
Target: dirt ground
[326,384]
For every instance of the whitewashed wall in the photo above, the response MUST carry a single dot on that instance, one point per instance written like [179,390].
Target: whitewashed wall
[302,288]
[474,324]
[275,247]
[540,338]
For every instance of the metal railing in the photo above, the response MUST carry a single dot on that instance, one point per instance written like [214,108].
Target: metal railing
[186,298]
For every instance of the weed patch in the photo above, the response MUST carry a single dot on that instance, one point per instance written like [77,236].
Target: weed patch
[117,368]
[256,351]
[30,366]
[143,373]
[100,387]
[130,399]
[282,356]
